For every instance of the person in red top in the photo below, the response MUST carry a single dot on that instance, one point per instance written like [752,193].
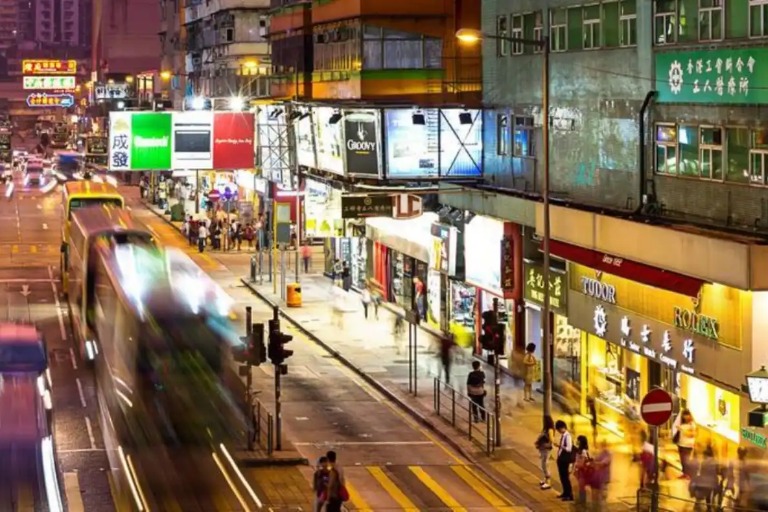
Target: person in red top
[306,255]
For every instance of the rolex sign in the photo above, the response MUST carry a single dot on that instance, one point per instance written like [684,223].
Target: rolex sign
[361,141]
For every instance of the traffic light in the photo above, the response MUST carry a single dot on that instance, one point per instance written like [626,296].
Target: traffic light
[252,351]
[277,341]
[499,333]
[490,320]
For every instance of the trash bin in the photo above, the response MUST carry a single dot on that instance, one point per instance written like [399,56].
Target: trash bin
[293,295]
[177,213]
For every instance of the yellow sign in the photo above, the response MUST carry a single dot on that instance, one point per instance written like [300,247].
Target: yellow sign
[48,67]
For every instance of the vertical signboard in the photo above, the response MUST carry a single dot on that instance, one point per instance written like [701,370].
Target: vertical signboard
[329,140]
[362,142]
[192,140]
[233,144]
[461,143]
[305,144]
[120,141]
[151,141]
[412,141]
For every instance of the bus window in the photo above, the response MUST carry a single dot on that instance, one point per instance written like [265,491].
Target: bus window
[22,357]
[76,204]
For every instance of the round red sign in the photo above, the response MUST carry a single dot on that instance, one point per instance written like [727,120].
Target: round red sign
[656,407]
[214,195]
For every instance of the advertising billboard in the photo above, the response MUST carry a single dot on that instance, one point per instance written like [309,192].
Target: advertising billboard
[45,100]
[180,140]
[48,67]
[192,140]
[362,142]
[482,239]
[412,149]
[461,144]
[305,143]
[233,144]
[329,144]
[111,91]
[41,83]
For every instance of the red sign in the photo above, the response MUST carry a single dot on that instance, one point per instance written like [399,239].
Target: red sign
[48,67]
[214,195]
[656,407]
[233,140]
[408,206]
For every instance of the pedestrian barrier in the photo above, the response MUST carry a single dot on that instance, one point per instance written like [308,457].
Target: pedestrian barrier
[459,410]
[721,502]
[263,427]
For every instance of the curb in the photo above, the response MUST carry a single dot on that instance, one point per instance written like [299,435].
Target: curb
[148,207]
[392,397]
[273,462]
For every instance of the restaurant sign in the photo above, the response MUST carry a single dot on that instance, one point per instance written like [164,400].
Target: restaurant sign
[534,286]
[353,207]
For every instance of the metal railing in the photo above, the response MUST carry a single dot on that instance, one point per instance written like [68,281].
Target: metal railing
[263,431]
[460,411]
[668,503]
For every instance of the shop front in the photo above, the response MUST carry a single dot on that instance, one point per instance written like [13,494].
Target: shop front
[636,337]
[322,210]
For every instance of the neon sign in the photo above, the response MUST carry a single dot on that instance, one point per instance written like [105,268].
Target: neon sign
[43,100]
[49,67]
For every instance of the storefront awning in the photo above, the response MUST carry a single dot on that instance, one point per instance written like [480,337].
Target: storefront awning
[628,269]
[411,237]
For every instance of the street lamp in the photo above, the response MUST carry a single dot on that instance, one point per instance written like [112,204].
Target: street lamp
[473,36]
[198,103]
[165,75]
[236,103]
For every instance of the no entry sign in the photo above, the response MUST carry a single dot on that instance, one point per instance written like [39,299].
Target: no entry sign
[214,195]
[656,407]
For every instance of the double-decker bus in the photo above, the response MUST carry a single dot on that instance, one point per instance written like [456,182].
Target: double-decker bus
[77,195]
[28,472]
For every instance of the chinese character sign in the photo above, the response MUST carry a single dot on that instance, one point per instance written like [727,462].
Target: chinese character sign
[48,67]
[120,141]
[38,83]
[43,100]
[738,75]
[535,286]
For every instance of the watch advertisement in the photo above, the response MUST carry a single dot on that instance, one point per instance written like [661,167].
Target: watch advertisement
[361,137]
[329,142]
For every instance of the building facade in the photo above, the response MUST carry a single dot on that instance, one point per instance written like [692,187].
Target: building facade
[58,22]
[172,76]
[124,42]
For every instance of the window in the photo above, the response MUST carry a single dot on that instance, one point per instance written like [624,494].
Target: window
[502,134]
[710,20]
[711,153]
[666,149]
[558,29]
[665,21]
[538,32]
[523,141]
[737,140]
[758,157]
[627,23]
[591,27]
[502,31]
[391,49]
[688,147]
[517,32]
[758,18]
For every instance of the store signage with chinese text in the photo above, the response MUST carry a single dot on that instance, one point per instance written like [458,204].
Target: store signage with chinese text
[725,76]
[44,100]
[534,287]
[116,91]
[361,141]
[48,67]
[47,83]
[353,207]
[507,265]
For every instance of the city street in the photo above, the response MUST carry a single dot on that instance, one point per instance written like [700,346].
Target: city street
[390,461]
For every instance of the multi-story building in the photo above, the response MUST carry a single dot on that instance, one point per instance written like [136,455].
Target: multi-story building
[227,52]
[9,22]
[173,76]
[125,36]
[57,22]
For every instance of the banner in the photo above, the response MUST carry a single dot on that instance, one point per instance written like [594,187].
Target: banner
[328,140]
[361,141]
[202,140]
[412,148]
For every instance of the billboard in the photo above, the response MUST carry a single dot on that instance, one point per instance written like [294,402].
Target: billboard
[48,67]
[362,142]
[305,143]
[40,83]
[328,140]
[180,140]
[45,100]
[461,144]
[111,91]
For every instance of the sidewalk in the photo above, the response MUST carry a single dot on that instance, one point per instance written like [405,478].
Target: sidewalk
[371,350]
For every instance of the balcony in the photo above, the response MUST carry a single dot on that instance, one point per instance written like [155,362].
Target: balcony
[204,10]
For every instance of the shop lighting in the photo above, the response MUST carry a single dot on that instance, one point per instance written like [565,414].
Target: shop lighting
[465,118]
[294,115]
[335,118]
[304,115]
[418,119]
[275,113]
[198,103]
[468,216]
[120,105]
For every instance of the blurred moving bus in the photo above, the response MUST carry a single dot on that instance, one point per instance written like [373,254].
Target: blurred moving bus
[77,195]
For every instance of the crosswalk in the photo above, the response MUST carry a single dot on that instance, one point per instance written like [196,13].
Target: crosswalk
[19,251]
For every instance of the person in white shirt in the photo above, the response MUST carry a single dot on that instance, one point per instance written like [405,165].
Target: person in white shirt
[202,237]
[684,436]
[564,460]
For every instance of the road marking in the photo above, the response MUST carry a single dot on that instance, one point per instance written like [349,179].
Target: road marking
[33,249]
[72,491]
[91,437]
[488,493]
[357,500]
[14,249]
[368,443]
[45,226]
[25,290]
[437,489]
[62,328]
[80,391]
[393,489]
[72,358]
[25,497]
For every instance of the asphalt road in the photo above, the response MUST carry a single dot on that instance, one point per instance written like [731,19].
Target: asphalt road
[30,240]
[390,462]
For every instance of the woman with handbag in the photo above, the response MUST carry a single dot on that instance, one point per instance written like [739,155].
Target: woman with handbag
[544,446]
[684,436]
[583,469]
[336,492]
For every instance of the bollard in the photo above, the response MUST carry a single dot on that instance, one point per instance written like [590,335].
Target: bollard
[248,317]
[253,269]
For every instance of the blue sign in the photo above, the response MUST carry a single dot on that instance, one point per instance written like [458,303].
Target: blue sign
[431,143]
[46,100]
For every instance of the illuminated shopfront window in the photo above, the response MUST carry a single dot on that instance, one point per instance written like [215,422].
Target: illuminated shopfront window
[463,299]
[713,408]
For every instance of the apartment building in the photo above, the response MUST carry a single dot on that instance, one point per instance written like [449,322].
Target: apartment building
[57,22]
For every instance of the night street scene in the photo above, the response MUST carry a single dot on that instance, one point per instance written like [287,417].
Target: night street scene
[383,255]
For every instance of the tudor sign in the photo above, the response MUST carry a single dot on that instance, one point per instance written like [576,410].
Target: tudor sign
[656,407]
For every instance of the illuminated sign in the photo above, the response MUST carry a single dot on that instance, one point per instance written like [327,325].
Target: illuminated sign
[49,67]
[39,83]
[697,323]
[44,100]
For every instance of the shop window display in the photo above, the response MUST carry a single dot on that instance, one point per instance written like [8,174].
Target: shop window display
[463,308]
[567,354]
[713,408]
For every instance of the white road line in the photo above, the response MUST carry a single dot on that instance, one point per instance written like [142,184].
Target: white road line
[14,280]
[80,392]
[91,438]
[368,443]
[73,358]
[45,226]
[72,490]
[62,329]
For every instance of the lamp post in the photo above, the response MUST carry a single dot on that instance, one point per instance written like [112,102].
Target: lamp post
[472,36]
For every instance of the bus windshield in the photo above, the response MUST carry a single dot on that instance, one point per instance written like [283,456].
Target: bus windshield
[77,203]
[22,357]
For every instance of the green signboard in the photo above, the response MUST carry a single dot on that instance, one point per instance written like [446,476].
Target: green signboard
[140,141]
[726,76]
[535,286]
[756,438]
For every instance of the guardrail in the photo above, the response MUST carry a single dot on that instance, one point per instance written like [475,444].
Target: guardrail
[459,410]
[263,432]
[722,501]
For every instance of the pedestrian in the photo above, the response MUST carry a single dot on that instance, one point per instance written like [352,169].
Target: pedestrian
[346,276]
[592,409]
[544,446]
[446,354]
[376,295]
[337,308]
[366,298]
[202,237]
[306,255]
[583,469]
[249,234]
[320,483]
[336,493]
[602,476]
[476,391]
[336,272]
[529,375]
[646,461]
[565,457]
[684,436]
[706,485]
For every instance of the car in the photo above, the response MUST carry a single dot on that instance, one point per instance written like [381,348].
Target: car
[34,176]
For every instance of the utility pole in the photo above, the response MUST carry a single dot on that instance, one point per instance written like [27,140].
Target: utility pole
[497,378]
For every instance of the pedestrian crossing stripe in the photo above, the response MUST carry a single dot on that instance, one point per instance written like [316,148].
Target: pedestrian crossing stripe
[437,489]
[32,248]
[393,489]
[356,499]
[479,486]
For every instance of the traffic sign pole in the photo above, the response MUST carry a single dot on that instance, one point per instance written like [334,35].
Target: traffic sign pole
[656,409]
[655,484]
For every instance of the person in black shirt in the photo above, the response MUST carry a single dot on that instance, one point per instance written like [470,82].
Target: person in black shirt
[476,391]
